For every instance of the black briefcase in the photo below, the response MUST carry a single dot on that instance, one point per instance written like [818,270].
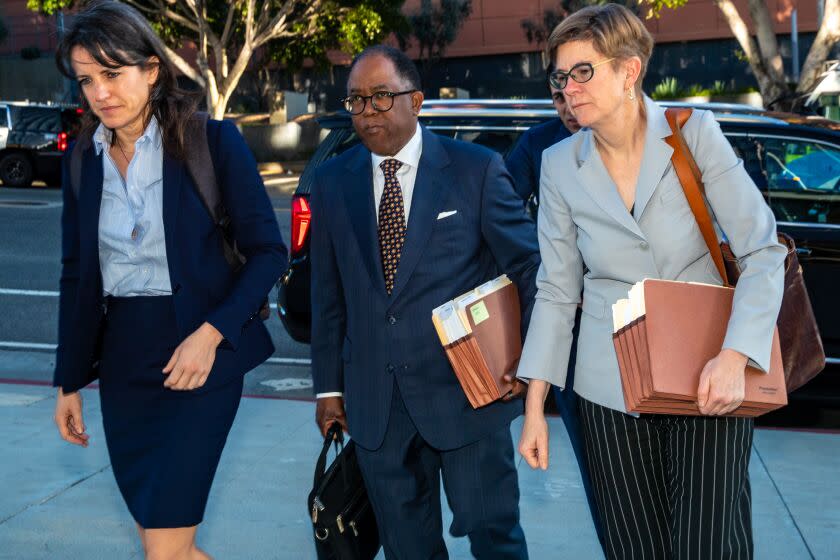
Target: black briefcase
[342,517]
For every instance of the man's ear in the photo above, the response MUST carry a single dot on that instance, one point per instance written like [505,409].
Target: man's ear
[417,101]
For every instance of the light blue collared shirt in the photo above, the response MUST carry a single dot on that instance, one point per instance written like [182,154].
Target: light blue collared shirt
[132,246]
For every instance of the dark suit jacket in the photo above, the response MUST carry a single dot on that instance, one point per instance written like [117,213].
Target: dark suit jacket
[204,286]
[525,159]
[362,338]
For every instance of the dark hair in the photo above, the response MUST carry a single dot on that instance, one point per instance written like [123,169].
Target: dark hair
[117,35]
[406,69]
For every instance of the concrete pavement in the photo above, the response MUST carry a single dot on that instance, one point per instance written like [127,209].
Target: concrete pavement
[59,501]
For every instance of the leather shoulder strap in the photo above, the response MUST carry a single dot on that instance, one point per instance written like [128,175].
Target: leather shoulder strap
[200,166]
[692,183]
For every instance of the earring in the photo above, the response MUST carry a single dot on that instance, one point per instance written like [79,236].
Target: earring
[631,94]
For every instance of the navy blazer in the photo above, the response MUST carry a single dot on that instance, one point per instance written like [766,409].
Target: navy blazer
[362,338]
[525,159]
[204,286]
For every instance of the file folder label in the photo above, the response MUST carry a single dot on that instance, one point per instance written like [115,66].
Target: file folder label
[479,313]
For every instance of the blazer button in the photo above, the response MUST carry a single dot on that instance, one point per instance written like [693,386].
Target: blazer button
[392,320]
[391,369]
[644,245]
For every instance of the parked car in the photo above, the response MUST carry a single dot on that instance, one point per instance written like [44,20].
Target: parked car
[33,138]
[794,160]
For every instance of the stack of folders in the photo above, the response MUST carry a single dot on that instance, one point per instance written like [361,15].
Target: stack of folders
[480,332]
[666,332]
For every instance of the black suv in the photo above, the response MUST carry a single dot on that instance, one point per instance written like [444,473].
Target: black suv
[794,160]
[33,138]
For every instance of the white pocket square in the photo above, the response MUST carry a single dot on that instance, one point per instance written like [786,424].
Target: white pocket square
[443,215]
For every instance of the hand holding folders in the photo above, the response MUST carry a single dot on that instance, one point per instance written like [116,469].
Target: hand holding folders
[480,333]
[666,332]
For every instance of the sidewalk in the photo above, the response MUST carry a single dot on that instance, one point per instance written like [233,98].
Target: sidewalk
[61,502]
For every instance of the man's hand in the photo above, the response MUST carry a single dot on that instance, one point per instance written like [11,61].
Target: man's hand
[329,410]
[721,388]
[519,389]
[190,364]
[68,418]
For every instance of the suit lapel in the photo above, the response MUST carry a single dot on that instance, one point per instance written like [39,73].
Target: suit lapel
[173,178]
[426,203]
[90,200]
[596,180]
[656,157]
[358,199]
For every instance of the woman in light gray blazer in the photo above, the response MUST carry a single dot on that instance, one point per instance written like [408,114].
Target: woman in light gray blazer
[613,212]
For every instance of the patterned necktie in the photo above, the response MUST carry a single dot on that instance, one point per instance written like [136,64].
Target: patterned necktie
[391,222]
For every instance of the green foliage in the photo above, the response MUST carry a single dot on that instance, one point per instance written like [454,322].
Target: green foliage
[655,6]
[49,7]
[718,88]
[668,88]
[435,27]
[341,24]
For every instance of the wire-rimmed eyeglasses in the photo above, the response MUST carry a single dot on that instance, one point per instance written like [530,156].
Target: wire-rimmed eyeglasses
[380,100]
[581,72]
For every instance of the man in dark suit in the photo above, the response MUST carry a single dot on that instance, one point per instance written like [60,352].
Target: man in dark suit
[524,163]
[401,224]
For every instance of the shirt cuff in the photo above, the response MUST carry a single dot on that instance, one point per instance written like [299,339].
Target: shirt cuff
[325,395]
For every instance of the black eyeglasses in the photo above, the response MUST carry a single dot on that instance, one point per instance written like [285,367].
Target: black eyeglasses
[381,101]
[581,72]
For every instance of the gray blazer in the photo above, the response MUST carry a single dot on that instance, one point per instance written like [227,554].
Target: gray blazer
[582,221]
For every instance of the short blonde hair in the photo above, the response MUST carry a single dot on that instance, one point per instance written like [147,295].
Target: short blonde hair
[614,31]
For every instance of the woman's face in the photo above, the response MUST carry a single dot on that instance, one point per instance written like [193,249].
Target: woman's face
[598,99]
[118,96]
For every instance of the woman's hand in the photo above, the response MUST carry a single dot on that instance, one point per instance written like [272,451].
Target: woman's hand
[721,388]
[192,361]
[533,445]
[68,418]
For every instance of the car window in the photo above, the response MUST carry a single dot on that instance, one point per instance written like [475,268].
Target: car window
[36,119]
[501,141]
[4,122]
[746,149]
[803,179]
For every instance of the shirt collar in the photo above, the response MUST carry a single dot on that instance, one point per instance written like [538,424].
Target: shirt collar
[102,136]
[409,155]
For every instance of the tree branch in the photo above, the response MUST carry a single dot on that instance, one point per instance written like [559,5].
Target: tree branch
[767,43]
[827,36]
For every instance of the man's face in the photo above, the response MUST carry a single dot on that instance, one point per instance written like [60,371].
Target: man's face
[563,110]
[383,132]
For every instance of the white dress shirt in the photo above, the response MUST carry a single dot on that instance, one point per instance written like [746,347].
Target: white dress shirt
[132,246]
[409,155]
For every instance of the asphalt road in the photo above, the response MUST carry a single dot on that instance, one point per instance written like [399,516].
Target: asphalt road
[30,266]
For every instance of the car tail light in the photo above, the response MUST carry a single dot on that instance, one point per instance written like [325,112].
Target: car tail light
[301,217]
[62,141]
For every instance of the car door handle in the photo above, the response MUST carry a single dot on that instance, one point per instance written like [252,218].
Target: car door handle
[804,251]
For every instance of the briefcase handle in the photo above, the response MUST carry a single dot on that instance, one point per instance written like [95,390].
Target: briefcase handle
[334,434]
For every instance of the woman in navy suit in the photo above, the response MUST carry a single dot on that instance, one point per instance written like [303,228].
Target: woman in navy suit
[148,302]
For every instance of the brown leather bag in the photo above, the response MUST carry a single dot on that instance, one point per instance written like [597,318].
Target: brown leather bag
[802,350]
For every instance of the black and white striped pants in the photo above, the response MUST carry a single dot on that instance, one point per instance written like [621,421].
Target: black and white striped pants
[670,486]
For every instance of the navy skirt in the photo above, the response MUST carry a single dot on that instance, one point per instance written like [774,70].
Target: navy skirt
[164,445]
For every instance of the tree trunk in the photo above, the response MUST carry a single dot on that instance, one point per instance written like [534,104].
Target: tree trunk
[767,73]
[827,36]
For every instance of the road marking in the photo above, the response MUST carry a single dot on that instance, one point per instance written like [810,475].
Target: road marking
[15,399]
[38,293]
[26,345]
[45,293]
[288,384]
[290,361]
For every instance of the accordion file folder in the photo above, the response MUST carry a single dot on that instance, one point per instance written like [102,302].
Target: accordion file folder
[480,332]
[665,332]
